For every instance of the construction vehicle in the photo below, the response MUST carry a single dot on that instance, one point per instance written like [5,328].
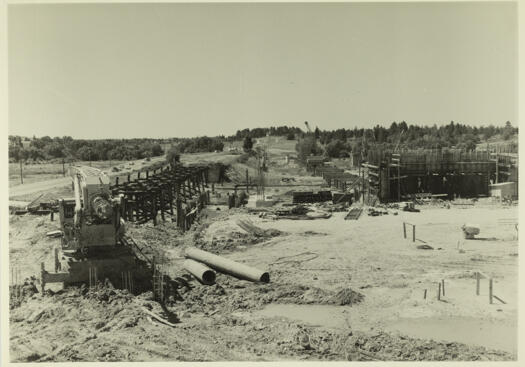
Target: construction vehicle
[93,247]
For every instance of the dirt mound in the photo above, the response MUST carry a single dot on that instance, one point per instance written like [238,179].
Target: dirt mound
[378,346]
[347,296]
[22,292]
[54,327]
[105,324]
[229,232]
[230,294]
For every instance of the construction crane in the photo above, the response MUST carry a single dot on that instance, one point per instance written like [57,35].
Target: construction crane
[398,140]
[308,127]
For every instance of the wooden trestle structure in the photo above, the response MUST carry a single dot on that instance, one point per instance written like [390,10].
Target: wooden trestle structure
[179,191]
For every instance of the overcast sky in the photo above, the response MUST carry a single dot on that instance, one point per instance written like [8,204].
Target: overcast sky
[165,70]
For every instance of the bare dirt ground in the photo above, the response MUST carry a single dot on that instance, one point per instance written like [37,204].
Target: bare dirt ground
[339,290]
[46,177]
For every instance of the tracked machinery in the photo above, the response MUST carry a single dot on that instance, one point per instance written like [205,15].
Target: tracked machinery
[93,245]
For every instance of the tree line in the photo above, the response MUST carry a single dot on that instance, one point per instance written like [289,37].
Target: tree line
[342,142]
[67,148]
[333,143]
[289,131]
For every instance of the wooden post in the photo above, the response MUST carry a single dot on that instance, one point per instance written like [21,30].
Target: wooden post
[129,207]
[154,209]
[162,205]
[21,174]
[439,291]
[497,167]
[56,260]
[477,283]
[52,215]
[63,168]
[170,198]
[404,230]
[413,233]
[425,294]
[178,208]
[42,278]
[490,290]
[247,180]
[399,178]
[443,286]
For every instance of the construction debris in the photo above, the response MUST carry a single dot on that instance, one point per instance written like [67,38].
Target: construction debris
[54,234]
[354,214]
[299,197]
[470,230]
[249,227]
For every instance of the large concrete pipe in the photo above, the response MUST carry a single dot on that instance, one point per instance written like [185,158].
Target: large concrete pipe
[200,271]
[227,266]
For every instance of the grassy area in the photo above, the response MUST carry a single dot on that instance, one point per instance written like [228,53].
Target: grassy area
[37,172]
[46,171]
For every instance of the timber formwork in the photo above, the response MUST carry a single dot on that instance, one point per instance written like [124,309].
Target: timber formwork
[506,167]
[178,191]
[398,176]
[337,178]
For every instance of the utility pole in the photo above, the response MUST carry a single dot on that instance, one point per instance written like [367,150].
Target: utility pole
[63,167]
[21,175]
[246,180]
[399,179]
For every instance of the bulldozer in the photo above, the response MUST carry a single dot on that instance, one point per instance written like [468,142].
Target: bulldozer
[92,246]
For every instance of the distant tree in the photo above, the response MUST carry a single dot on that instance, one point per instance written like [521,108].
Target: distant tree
[508,131]
[86,153]
[290,136]
[306,147]
[15,152]
[55,150]
[336,149]
[317,133]
[34,154]
[247,145]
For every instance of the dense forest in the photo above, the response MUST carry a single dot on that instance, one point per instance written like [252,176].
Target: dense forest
[341,142]
[333,143]
[66,147]
[69,149]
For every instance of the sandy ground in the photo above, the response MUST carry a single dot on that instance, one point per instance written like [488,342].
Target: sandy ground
[309,263]
[339,290]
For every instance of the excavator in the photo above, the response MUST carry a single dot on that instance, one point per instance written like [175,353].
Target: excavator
[93,247]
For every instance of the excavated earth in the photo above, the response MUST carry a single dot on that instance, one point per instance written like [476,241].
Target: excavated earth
[339,290]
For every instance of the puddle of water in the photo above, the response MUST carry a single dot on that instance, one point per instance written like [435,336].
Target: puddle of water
[469,331]
[315,315]
[463,330]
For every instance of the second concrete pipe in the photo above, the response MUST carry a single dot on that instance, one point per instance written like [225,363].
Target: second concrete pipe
[200,271]
[227,266]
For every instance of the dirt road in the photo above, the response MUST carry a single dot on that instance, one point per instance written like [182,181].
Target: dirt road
[31,188]
[339,290]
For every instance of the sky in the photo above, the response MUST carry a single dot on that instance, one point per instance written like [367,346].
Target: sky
[181,70]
